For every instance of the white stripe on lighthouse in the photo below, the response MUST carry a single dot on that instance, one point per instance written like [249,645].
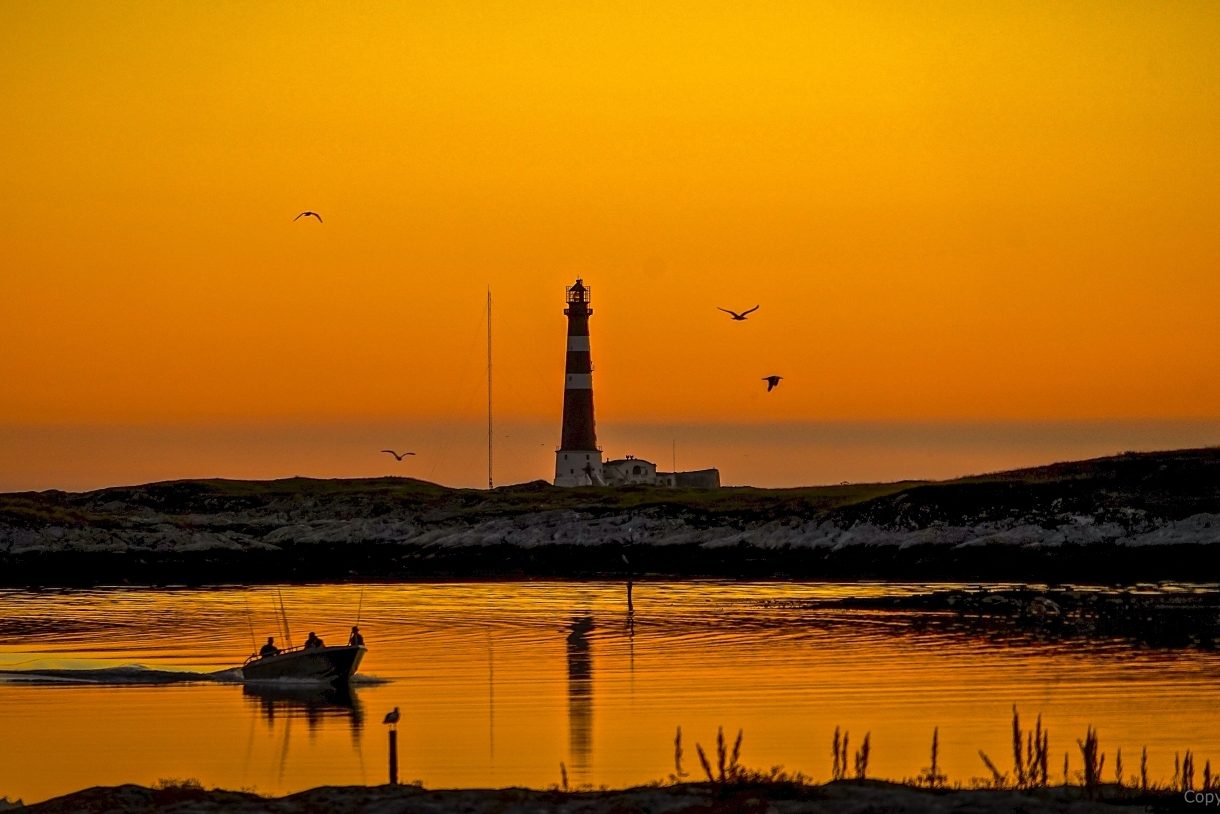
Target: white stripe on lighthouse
[578,343]
[579,381]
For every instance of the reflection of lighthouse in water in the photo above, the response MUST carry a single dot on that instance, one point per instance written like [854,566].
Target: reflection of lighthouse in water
[580,696]
[578,461]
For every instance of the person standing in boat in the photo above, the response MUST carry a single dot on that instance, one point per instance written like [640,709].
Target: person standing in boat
[355,640]
[269,649]
[313,641]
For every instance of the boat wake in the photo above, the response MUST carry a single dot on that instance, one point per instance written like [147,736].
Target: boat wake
[127,674]
[138,675]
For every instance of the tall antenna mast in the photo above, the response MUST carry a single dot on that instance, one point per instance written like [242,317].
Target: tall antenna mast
[490,484]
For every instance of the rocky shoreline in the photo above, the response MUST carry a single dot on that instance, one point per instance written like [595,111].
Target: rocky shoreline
[843,797]
[1128,518]
[1146,615]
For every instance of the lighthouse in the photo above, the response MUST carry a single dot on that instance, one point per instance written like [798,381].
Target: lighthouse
[578,461]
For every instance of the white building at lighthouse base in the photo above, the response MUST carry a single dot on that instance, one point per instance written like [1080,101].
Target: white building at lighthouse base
[579,468]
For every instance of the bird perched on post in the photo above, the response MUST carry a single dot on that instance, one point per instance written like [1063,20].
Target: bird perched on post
[308,215]
[772,382]
[735,315]
[398,456]
[391,718]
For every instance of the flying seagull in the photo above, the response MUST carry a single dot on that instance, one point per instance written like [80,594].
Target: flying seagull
[398,456]
[391,718]
[736,315]
[772,382]
[308,215]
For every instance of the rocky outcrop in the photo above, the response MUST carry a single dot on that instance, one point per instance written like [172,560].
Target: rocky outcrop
[1167,500]
[158,533]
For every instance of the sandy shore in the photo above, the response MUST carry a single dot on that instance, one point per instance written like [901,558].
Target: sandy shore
[772,798]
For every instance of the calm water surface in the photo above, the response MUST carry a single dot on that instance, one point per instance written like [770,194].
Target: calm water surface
[496,690]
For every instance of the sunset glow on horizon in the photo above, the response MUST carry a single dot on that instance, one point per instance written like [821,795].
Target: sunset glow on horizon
[960,215]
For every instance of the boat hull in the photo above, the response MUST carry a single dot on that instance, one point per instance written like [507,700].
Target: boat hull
[328,664]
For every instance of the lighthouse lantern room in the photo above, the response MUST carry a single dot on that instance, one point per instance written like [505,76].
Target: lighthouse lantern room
[578,461]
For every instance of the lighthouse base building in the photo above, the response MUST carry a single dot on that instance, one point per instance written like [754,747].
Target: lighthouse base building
[579,468]
[633,471]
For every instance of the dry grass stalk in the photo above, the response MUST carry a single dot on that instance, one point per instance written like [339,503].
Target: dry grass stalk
[1188,771]
[728,769]
[862,759]
[1065,768]
[563,775]
[1207,775]
[1118,767]
[1092,757]
[678,773]
[1144,769]
[1031,768]
[1018,763]
[998,779]
[720,752]
[707,767]
[932,775]
[834,749]
[1043,752]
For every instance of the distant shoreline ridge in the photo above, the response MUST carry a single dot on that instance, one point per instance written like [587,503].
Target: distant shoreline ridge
[1124,518]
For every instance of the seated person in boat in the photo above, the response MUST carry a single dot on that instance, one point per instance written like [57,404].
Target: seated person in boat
[313,641]
[269,649]
[355,640]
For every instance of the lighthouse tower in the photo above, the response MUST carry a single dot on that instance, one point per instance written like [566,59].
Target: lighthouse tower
[578,461]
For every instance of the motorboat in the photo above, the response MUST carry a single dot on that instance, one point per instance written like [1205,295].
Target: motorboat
[334,665]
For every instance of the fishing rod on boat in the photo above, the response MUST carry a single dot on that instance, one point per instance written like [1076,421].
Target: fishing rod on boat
[284,615]
[360,607]
[250,622]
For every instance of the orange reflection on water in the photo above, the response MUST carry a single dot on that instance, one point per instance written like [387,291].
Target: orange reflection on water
[500,683]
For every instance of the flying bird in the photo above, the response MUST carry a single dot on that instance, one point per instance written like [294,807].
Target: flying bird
[772,382]
[391,718]
[398,456]
[736,315]
[308,215]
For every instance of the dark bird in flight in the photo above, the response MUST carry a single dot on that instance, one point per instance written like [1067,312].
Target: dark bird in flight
[398,456]
[772,382]
[308,215]
[391,718]
[736,315]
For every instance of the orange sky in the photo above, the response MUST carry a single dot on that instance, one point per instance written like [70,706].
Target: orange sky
[957,212]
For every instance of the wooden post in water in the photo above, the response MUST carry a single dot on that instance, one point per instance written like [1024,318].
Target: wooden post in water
[393,757]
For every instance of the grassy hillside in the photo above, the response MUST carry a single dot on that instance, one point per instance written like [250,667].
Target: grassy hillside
[1061,522]
[1166,484]
[378,496]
